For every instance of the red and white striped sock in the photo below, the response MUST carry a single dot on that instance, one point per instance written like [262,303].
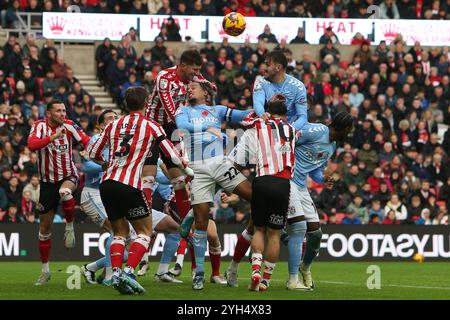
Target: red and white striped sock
[257,260]
[268,270]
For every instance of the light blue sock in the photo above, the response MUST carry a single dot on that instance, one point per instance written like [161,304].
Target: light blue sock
[106,260]
[200,249]
[296,232]
[170,247]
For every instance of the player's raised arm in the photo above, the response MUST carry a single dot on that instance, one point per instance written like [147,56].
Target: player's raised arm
[183,122]
[301,108]
[163,89]
[259,96]
[232,115]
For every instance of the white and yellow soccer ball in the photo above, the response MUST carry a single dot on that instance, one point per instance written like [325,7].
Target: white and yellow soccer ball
[234,24]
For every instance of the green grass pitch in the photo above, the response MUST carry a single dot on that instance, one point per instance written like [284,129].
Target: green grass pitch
[334,280]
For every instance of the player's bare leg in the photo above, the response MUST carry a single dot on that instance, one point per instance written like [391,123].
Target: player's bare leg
[313,237]
[244,240]
[215,250]
[201,213]
[68,201]
[271,254]
[45,233]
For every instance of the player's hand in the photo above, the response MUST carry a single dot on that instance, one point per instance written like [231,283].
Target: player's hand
[215,132]
[85,155]
[224,197]
[265,116]
[59,133]
[329,181]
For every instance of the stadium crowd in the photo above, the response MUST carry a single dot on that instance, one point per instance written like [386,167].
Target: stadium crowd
[395,168]
[389,9]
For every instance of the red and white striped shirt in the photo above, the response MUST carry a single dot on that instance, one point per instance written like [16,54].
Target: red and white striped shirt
[169,93]
[270,145]
[129,141]
[55,157]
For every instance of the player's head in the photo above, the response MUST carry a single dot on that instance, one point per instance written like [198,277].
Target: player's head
[190,64]
[276,63]
[106,117]
[277,106]
[341,126]
[200,93]
[135,99]
[56,112]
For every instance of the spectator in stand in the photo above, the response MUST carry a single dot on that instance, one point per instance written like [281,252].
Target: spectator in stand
[173,29]
[351,218]
[224,214]
[360,211]
[27,208]
[50,84]
[300,37]
[126,51]
[330,49]
[267,35]
[117,76]
[399,209]
[159,50]
[358,39]
[389,10]
[391,218]
[101,56]
[13,215]
[329,35]
[60,68]
[165,8]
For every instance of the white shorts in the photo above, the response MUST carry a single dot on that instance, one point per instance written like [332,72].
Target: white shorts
[207,174]
[302,204]
[91,204]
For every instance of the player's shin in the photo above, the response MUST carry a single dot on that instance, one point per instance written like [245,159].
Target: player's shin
[242,245]
[136,252]
[44,250]
[170,247]
[199,242]
[312,247]
[181,195]
[296,233]
[117,249]
[68,202]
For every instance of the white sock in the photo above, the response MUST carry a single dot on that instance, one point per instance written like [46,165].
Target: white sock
[128,269]
[163,268]
[92,267]
[46,267]
[69,225]
[145,257]
[293,277]
[234,266]
[305,267]
[180,259]
[108,273]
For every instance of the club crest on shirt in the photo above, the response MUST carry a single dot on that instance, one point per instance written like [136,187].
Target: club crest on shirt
[164,83]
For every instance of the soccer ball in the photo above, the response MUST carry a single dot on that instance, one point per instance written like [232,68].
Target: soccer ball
[234,24]
[418,257]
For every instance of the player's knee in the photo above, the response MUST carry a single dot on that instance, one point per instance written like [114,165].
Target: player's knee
[215,250]
[315,235]
[247,235]
[118,240]
[297,228]
[143,239]
[65,194]
[178,183]
[44,236]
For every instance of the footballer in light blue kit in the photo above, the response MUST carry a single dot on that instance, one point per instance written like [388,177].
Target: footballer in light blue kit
[204,144]
[276,82]
[315,145]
